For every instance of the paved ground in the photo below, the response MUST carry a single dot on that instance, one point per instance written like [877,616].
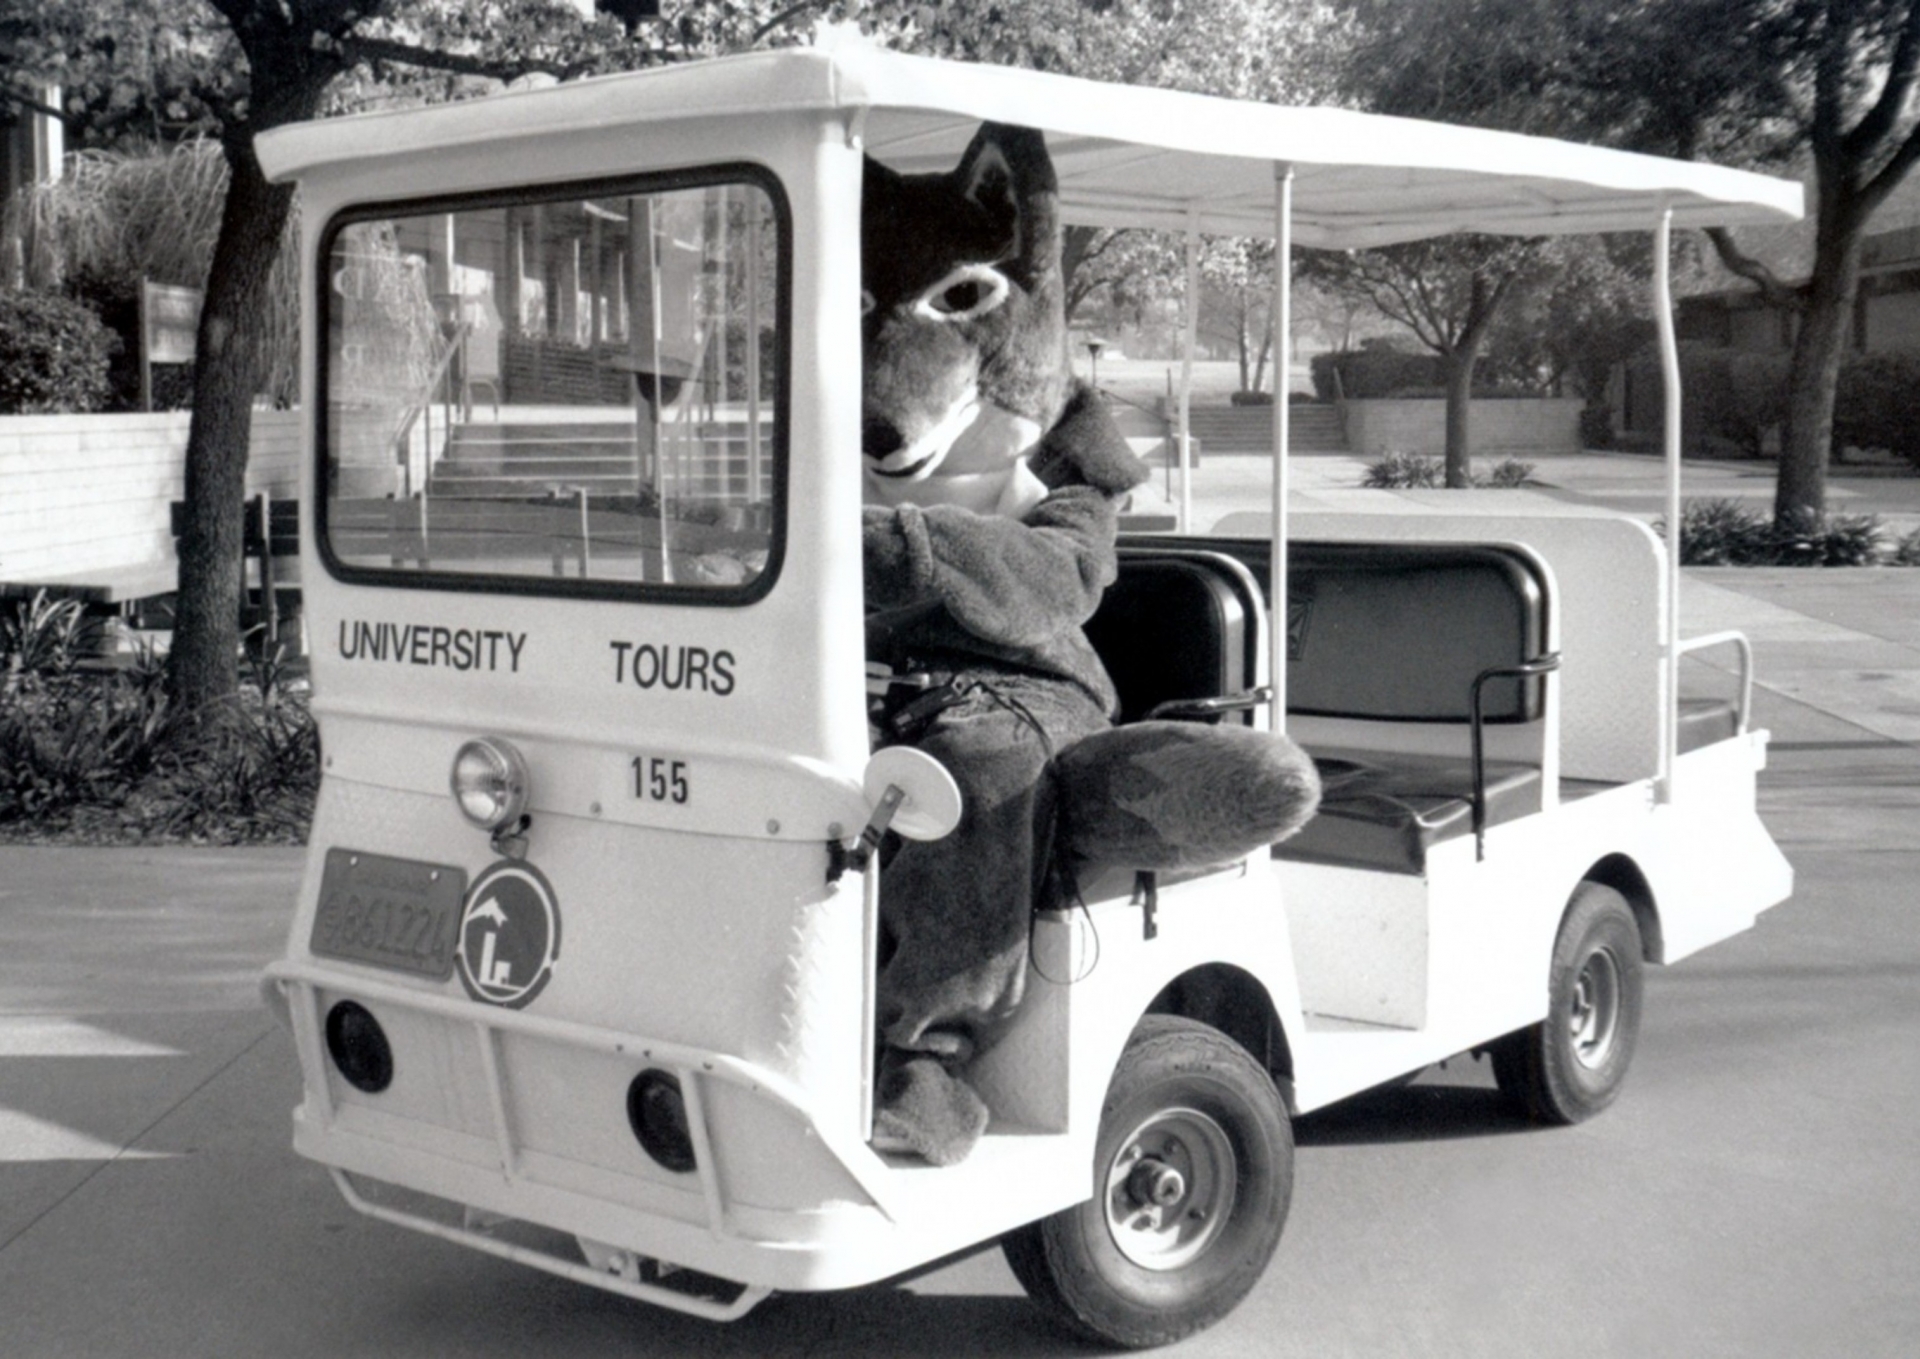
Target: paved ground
[1753,1194]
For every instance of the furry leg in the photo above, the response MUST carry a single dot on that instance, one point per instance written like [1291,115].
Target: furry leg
[958,910]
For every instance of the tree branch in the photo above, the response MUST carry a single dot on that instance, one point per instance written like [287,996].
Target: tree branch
[35,106]
[355,47]
[1738,262]
[1864,142]
[1876,190]
[790,12]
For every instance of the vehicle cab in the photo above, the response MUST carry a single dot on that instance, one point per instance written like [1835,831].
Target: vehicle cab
[582,969]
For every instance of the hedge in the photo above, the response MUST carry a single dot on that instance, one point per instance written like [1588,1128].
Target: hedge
[54,354]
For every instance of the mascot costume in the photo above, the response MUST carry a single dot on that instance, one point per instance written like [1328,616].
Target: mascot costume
[994,484]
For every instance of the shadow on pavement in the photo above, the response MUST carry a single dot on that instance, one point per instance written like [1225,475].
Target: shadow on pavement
[1409,1113]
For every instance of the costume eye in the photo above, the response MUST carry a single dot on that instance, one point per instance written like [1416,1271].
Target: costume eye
[968,292]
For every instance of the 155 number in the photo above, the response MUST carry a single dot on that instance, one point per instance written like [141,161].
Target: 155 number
[658,779]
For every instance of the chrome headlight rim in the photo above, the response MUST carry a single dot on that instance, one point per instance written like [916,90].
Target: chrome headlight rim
[489,782]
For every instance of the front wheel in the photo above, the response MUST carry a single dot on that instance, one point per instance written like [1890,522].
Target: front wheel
[1571,1065]
[1193,1175]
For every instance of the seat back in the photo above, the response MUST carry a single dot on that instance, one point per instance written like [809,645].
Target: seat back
[1177,625]
[1396,632]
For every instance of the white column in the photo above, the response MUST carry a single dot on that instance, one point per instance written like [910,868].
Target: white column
[1282,416]
[1670,447]
[1184,437]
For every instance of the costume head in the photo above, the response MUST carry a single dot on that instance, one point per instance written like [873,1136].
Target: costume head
[964,325]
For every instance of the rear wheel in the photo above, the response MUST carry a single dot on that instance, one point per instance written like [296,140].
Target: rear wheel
[1193,1174]
[1572,1064]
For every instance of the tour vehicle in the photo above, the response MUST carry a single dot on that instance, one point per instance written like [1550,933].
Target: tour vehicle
[583,963]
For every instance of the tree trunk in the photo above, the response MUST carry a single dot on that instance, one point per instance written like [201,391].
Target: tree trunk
[1246,343]
[1459,364]
[1806,442]
[203,666]
[1260,362]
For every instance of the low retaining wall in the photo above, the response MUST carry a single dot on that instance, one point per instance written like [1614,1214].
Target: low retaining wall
[1501,427]
[83,498]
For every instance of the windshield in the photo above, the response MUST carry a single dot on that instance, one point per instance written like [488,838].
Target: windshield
[576,393]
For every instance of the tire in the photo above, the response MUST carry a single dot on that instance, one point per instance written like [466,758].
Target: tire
[1571,1065]
[1193,1175]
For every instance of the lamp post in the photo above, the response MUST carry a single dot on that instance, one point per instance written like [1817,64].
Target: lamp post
[1093,351]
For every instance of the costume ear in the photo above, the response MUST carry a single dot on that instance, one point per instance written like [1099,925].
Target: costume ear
[1007,173]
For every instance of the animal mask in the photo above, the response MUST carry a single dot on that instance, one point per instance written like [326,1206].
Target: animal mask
[964,325]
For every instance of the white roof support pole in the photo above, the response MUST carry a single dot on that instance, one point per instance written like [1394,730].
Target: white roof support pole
[1282,415]
[1189,341]
[1670,447]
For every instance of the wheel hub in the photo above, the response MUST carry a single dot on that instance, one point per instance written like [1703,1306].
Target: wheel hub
[1593,1019]
[1171,1188]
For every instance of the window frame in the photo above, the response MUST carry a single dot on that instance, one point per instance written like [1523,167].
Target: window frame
[727,174]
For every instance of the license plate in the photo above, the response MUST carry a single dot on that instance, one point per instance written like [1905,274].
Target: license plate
[393,913]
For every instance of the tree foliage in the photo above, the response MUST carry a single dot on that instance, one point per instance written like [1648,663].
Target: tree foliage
[1834,84]
[53,355]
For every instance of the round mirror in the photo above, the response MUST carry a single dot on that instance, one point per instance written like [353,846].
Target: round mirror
[932,804]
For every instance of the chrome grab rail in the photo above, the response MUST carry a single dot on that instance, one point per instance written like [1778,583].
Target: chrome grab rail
[1739,641]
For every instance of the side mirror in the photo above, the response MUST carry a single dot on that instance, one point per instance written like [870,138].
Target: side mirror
[911,793]
[926,800]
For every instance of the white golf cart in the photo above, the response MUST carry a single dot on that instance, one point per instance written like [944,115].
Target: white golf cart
[583,966]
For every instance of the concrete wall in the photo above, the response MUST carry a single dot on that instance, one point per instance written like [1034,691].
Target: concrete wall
[1500,428]
[83,498]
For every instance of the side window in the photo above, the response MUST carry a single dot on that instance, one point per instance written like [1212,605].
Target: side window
[570,393]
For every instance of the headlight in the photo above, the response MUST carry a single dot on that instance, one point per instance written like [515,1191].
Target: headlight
[490,783]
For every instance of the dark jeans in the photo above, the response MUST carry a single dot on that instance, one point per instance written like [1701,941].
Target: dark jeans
[956,912]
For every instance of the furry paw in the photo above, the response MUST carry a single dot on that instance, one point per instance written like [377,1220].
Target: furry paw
[1182,794]
[926,1109]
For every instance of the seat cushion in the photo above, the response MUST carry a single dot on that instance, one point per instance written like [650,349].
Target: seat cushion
[1704,721]
[1384,810]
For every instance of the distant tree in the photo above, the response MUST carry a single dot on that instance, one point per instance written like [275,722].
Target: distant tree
[1780,83]
[1448,292]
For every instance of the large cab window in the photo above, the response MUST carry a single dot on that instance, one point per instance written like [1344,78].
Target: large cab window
[579,393]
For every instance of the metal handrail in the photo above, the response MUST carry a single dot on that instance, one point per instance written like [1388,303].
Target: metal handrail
[1738,640]
[1526,669]
[456,343]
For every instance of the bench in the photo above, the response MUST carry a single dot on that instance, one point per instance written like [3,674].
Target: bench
[1401,659]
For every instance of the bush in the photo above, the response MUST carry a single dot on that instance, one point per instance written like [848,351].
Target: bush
[39,636]
[98,756]
[1728,396]
[1877,403]
[1506,474]
[53,355]
[1376,372]
[1726,533]
[1405,471]
[1906,552]
[1411,471]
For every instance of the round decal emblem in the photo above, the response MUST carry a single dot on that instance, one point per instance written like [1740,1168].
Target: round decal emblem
[509,934]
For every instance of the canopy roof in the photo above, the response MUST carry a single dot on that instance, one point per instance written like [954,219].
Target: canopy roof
[1126,156]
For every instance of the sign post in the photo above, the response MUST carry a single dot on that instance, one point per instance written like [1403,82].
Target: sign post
[169,321]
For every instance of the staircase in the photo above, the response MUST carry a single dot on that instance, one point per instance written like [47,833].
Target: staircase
[1313,427]
[529,458]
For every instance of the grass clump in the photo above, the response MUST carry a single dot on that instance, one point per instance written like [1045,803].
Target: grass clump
[1413,471]
[1728,533]
[94,753]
